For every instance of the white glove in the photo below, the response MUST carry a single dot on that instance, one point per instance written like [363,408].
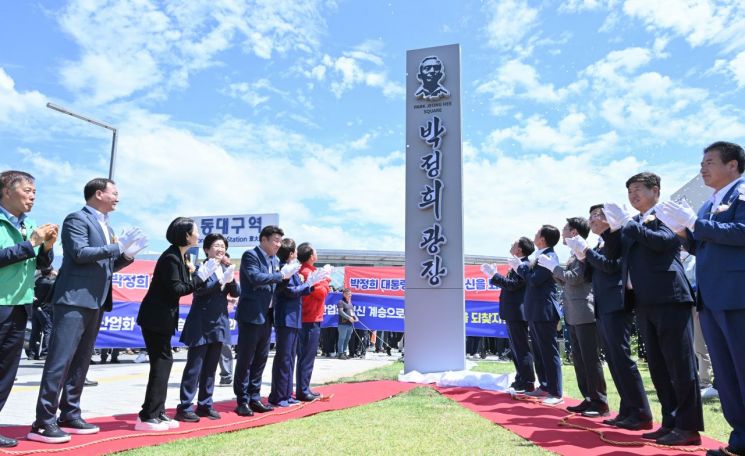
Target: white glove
[578,246]
[548,262]
[128,237]
[617,216]
[666,214]
[514,263]
[208,268]
[136,247]
[680,214]
[228,275]
[328,268]
[489,270]
[317,276]
[290,269]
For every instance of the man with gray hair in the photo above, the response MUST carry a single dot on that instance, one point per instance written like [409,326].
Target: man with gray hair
[24,247]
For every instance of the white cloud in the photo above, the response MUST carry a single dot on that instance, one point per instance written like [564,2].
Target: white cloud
[253,93]
[516,78]
[15,104]
[509,22]
[737,67]
[363,65]
[700,22]
[135,45]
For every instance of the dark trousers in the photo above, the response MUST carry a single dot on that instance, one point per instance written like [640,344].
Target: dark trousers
[547,355]
[12,331]
[615,331]
[199,375]
[724,331]
[226,362]
[473,345]
[41,329]
[328,340]
[161,360]
[284,364]
[74,332]
[587,365]
[358,342]
[105,352]
[253,351]
[667,330]
[522,357]
[306,357]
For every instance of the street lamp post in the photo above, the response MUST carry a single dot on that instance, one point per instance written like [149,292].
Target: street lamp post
[112,162]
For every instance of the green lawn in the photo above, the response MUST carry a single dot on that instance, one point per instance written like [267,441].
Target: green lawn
[418,422]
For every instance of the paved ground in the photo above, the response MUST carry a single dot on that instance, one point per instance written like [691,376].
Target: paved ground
[121,387]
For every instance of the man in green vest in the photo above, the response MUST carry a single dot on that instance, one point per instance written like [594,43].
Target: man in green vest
[24,247]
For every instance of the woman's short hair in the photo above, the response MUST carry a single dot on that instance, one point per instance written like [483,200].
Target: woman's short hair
[180,229]
[211,239]
[285,249]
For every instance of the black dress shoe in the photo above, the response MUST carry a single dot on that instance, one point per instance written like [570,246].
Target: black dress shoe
[661,432]
[679,437]
[259,407]
[729,450]
[89,382]
[614,421]
[579,408]
[187,416]
[208,412]
[7,442]
[596,411]
[316,395]
[308,398]
[634,424]
[243,410]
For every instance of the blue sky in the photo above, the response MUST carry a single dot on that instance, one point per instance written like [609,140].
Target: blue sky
[232,106]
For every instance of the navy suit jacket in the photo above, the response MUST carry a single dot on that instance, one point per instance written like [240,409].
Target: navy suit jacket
[88,263]
[651,252]
[605,274]
[208,321]
[258,281]
[288,302]
[512,295]
[719,246]
[541,291]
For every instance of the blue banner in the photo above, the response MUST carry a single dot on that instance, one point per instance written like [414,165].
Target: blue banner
[385,313]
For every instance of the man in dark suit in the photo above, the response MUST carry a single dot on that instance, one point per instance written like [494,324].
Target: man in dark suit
[24,247]
[259,275]
[716,235]
[542,313]
[579,314]
[512,313]
[81,294]
[614,321]
[654,279]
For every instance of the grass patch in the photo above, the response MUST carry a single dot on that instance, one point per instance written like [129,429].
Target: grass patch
[716,426]
[418,422]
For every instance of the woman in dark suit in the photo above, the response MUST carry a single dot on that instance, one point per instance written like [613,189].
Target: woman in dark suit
[287,323]
[207,327]
[158,318]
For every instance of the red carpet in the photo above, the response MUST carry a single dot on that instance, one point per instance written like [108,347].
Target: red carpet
[118,434]
[540,425]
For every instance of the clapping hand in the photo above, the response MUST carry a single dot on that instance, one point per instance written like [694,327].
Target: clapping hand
[548,262]
[578,245]
[489,270]
[677,215]
[289,269]
[228,275]
[128,237]
[514,263]
[617,216]
[136,247]
[317,276]
[207,269]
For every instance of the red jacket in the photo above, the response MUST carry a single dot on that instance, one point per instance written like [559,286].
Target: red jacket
[314,302]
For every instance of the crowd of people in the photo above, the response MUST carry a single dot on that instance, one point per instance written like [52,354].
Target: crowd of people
[636,273]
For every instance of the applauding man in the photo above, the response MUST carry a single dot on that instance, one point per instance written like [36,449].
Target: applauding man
[91,255]
[716,235]
[511,311]
[542,313]
[24,247]
[654,281]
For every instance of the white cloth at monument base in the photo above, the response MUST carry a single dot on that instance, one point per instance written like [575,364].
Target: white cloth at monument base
[466,378]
